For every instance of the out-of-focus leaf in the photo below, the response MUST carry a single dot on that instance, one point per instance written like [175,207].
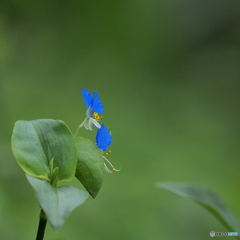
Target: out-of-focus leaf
[35,143]
[57,203]
[90,168]
[206,198]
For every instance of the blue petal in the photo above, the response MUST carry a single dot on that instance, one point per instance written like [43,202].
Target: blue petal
[87,98]
[97,104]
[103,138]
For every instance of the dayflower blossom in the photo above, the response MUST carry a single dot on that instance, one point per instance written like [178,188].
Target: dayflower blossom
[94,107]
[103,141]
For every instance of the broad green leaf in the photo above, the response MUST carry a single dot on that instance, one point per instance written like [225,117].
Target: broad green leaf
[208,200]
[35,143]
[90,168]
[57,203]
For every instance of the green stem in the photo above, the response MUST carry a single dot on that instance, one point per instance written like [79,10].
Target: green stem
[80,126]
[41,226]
[77,132]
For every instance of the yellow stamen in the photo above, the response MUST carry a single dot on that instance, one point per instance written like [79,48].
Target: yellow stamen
[96,116]
[109,152]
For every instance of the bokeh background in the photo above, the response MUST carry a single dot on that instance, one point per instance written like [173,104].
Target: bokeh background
[168,75]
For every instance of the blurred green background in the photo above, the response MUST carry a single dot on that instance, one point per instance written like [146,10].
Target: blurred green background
[168,75]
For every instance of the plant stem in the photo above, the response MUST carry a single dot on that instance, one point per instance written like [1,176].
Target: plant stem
[41,226]
[77,132]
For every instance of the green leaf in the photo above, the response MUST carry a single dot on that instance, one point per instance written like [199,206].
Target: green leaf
[90,166]
[208,200]
[35,143]
[57,203]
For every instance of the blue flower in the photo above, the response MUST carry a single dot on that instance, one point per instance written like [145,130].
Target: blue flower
[94,107]
[92,102]
[103,138]
[103,141]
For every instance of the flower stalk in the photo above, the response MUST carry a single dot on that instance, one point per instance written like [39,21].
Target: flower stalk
[41,226]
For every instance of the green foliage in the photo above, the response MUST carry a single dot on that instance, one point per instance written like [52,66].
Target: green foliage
[35,143]
[208,200]
[90,167]
[48,153]
[57,203]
